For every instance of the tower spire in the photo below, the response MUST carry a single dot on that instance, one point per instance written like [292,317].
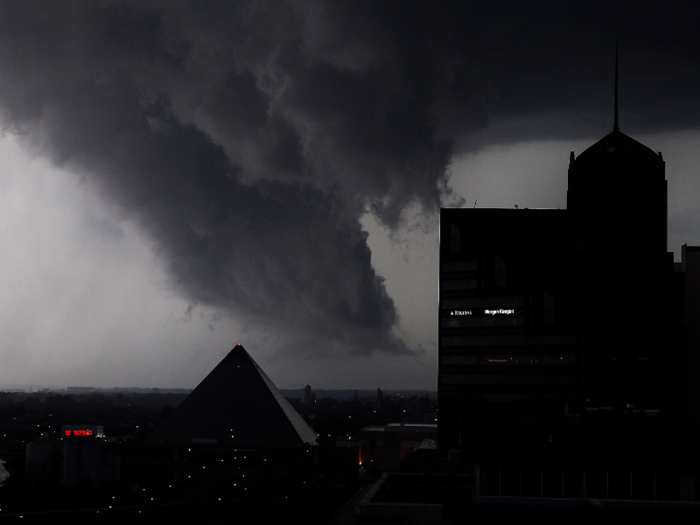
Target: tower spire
[616,126]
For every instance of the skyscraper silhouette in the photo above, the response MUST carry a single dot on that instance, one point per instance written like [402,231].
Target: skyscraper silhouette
[549,311]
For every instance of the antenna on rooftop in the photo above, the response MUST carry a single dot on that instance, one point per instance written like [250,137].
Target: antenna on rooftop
[616,126]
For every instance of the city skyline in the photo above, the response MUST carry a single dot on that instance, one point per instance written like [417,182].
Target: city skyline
[177,181]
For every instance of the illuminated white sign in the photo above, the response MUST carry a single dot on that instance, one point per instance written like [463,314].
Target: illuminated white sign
[500,311]
[461,312]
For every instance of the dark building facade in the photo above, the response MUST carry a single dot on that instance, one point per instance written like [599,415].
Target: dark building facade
[568,311]
[550,457]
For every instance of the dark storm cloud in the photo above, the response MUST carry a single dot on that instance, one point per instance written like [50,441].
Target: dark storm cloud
[248,138]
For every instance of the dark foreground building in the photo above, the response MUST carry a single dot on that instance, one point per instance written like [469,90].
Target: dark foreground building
[569,311]
[568,340]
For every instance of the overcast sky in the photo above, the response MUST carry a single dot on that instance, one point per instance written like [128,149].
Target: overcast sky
[177,177]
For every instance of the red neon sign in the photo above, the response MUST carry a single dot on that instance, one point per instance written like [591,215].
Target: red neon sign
[78,432]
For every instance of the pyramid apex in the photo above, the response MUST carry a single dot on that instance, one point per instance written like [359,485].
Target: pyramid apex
[237,352]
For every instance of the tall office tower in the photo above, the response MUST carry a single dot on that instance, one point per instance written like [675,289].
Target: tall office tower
[546,310]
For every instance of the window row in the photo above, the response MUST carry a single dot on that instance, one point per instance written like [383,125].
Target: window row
[507,359]
[581,482]
[470,321]
[482,302]
[460,266]
[511,340]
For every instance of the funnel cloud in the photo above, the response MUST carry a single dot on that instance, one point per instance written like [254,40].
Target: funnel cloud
[250,141]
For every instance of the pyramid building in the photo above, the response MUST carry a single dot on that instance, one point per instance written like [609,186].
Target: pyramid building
[236,404]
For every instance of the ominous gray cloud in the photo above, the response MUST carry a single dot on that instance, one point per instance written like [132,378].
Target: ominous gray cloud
[249,138]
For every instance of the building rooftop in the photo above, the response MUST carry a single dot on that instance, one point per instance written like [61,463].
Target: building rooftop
[617,148]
